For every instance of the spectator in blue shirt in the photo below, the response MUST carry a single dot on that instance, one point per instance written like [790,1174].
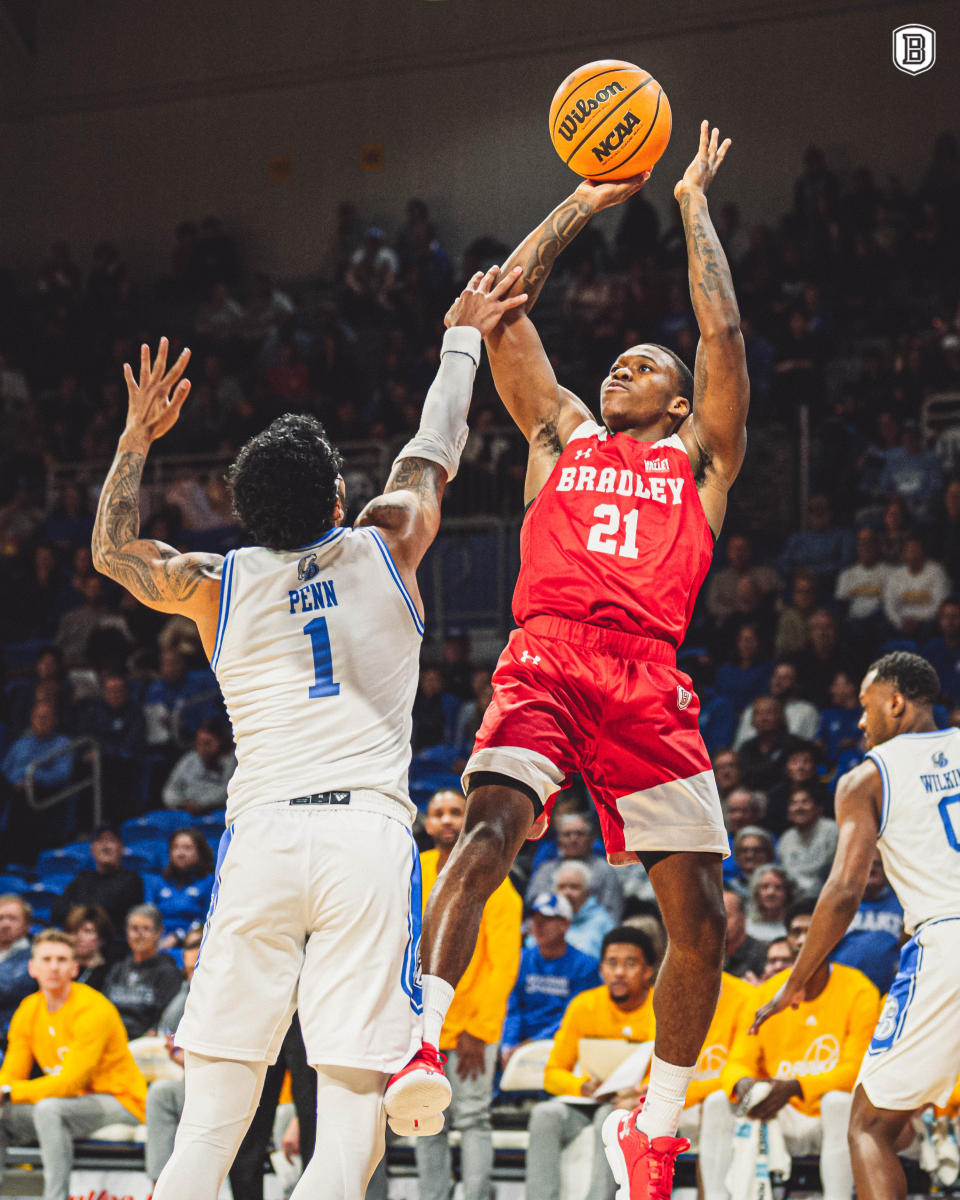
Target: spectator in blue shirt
[24,832]
[872,943]
[182,891]
[944,651]
[15,981]
[821,547]
[551,974]
[747,676]
[913,473]
[590,919]
[40,740]
[839,727]
[177,701]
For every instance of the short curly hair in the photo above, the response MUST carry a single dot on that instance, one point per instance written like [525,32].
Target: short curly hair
[910,674]
[284,483]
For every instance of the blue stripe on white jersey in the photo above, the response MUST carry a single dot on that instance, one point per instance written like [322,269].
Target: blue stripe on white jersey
[226,589]
[395,574]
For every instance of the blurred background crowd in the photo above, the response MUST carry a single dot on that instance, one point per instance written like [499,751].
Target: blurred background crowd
[842,543]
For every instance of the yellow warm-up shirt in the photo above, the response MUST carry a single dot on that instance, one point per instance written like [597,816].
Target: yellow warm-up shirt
[592,1014]
[736,996]
[479,1003]
[81,1050]
[821,1043]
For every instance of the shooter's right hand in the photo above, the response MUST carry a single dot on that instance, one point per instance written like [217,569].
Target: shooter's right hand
[600,195]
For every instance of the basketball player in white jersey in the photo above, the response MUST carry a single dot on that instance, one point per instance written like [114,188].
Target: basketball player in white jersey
[904,800]
[314,634]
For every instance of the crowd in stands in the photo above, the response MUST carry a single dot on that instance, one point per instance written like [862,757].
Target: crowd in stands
[850,307]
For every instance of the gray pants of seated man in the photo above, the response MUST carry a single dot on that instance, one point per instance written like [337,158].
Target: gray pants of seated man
[55,1125]
[164,1109]
[469,1113]
[825,1135]
[553,1126]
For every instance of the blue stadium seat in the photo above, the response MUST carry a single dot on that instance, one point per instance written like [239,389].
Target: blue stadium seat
[432,757]
[54,880]
[73,858]
[41,897]
[147,856]
[212,824]
[153,825]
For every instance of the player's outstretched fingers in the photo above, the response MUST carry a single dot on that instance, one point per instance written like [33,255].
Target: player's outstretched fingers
[486,283]
[506,282]
[176,370]
[160,362]
[144,364]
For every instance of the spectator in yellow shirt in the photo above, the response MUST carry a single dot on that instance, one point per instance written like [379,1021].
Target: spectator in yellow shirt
[811,1055]
[737,997]
[89,1079]
[622,1008]
[471,1029]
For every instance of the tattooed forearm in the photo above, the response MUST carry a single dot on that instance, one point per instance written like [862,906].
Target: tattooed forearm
[538,252]
[150,571]
[118,514]
[424,478]
[711,284]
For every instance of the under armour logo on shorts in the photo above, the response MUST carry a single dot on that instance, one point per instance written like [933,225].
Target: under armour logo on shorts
[526,656]
[683,697]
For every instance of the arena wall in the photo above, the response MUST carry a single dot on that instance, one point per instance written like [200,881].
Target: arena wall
[131,117]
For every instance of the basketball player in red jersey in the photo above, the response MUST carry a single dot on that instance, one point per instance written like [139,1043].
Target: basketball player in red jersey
[616,542]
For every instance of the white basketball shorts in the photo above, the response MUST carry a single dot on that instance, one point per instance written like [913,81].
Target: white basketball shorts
[914,1057]
[316,908]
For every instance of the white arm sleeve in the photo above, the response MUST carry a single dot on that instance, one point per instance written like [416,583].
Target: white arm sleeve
[443,422]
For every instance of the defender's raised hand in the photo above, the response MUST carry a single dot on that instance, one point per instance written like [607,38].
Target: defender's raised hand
[710,155]
[483,302]
[151,410]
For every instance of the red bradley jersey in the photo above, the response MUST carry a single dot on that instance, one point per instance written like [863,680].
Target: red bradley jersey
[616,537]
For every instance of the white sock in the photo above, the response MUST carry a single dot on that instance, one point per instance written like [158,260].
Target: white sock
[664,1100]
[437,996]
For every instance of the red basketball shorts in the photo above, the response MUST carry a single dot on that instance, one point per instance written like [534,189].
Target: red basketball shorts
[571,697]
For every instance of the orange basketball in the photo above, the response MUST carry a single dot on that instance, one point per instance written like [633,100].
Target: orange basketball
[610,120]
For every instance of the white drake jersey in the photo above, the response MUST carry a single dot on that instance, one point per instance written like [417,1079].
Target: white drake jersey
[317,654]
[919,838]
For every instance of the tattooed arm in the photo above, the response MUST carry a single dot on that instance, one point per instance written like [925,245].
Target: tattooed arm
[716,433]
[156,574]
[545,413]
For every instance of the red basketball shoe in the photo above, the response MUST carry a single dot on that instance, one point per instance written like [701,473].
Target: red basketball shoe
[416,1096]
[642,1168]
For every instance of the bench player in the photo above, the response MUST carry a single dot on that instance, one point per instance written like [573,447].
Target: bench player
[616,542]
[314,634]
[904,800]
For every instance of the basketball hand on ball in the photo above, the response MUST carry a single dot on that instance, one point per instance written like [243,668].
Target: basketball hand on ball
[604,195]
[699,175]
[484,300]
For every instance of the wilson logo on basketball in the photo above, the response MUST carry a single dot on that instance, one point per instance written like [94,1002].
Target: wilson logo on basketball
[583,108]
[683,697]
[615,138]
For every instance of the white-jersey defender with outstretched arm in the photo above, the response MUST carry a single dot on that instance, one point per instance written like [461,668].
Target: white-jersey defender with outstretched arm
[914,1057]
[318,876]
[919,839]
[317,655]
